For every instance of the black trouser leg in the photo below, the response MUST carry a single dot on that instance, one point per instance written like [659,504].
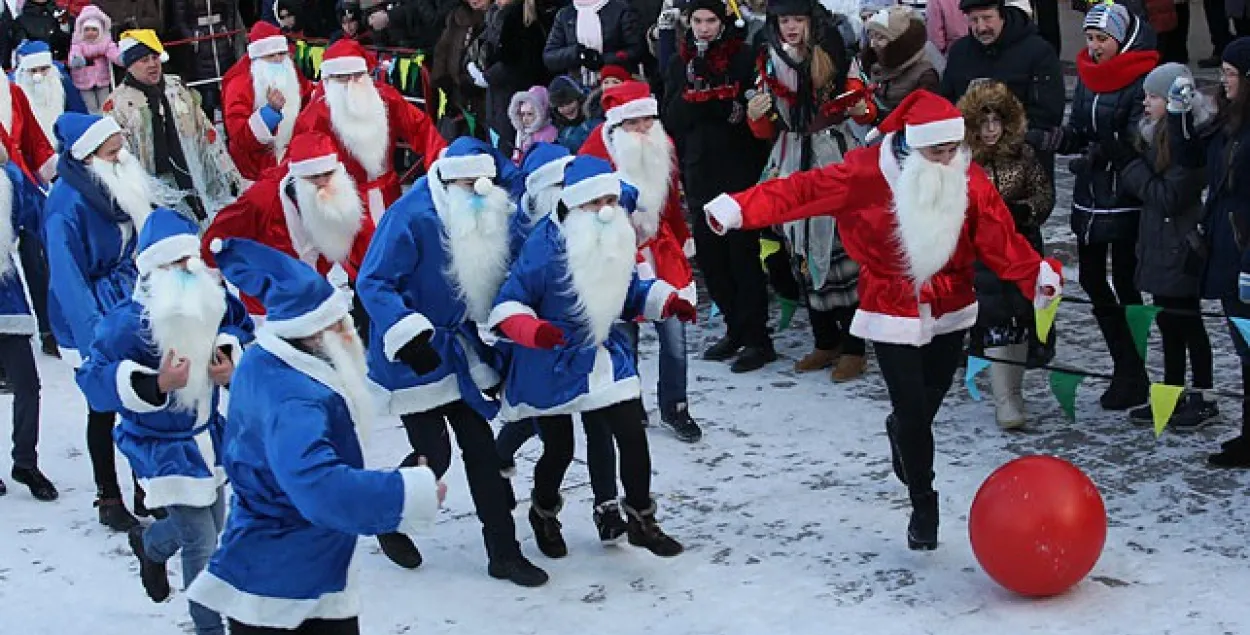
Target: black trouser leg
[631,442]
[1046,12]
[851,345]
[1183,331]
[735,278]
[1217,25]
[350,626]
[360,317]
[825,329]
[1108,302]
[781,274]
[600,461]
[35,268]
[19,366]
[429,438]
[557,435]
[100,447]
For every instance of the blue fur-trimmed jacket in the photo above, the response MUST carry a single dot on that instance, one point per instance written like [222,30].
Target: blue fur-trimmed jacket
[25,207]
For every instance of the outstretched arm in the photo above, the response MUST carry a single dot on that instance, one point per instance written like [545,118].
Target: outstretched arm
[783,200]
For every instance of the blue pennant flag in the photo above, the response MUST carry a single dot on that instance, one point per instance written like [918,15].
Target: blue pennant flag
[975,366]
[1243,327]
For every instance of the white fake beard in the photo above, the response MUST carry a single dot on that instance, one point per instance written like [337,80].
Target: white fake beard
[540,204]
[6,103]
[282,77]
[358,117]
[646,162]
[133,188]
[930,204]
[8,239]
[183,311]
[600,258]
[346,355]
[47,100]
[475,238]
[332,215]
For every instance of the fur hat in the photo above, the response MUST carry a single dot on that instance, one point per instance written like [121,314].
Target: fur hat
[984,98]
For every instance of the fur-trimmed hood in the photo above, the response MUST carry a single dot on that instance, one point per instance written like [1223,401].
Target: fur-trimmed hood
[536,97]
[993,96]
[901,53]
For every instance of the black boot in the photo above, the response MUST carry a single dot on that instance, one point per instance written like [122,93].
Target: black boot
[546,525]
[517,570]
[141,508]
[4,489]
[891,425]
[48,346]
[754,358]
[609,522]
[644,531]
[682,424]
[40,487]
[723,350]
[113,514]
[1235,453]
[1130,385]
[401,550]
[152,573]
[922,530]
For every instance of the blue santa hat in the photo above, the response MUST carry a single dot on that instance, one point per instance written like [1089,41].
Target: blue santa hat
[544,165]
[587,178]
[81,134]
[33,54]
[299,302]
[166,237]
[467,158]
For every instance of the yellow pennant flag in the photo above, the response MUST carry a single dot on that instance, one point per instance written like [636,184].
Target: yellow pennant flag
[316,53]
[405,65]
[768,247]
[1044,318]
[1163,399]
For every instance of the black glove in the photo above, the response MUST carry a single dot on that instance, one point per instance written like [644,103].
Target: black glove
[589,58]
[1079,166]
[148,387]
[419,355]
[1044,141]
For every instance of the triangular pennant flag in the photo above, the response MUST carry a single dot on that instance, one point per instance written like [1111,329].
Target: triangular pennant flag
[788,307]
[1163,399]
[1243,327]
[1140,317]
[316,53]
[768,247]
[1044,318]
[1063,385]
[404,66]
[715,310]
[975,366]
[472,123]
[442,103]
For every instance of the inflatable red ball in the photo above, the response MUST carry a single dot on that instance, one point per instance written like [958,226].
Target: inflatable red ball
[1037,525]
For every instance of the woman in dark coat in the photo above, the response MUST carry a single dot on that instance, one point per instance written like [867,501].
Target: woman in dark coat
[581,54]
[449,71]
[206,59]
[512,57]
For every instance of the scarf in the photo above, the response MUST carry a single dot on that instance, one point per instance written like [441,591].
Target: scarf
[76,175]
[589,27]
[167,150]
[1115,73]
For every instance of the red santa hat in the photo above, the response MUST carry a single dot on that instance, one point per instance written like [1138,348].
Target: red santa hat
[265,39]
[630,100]
[925,119]
[345,57]
[310,154]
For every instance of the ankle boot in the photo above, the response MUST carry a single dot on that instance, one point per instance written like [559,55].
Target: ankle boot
[1005,383]
[1129,384]
[922,530]
[113,514]
[546,525]
[644,531]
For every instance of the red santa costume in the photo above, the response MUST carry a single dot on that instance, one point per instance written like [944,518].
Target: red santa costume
[256,144]
[24,140]
[649,164]
[915,213]
[367,119]
[322,225]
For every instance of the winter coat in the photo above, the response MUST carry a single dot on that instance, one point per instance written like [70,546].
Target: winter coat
[574,135]
[945,24]
[541,131]
[449,69]
[26,205]
[622,38]
[901,68]
[513,59]
[416,24]
[134,14]
[707,119]
[203,18]
[1107,104]
[34,21]
[1019,58]
[95,69]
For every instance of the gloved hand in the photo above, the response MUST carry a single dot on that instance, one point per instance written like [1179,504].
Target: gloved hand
[759,105]
[1181,95]
[1049,283]
[418,355]
[678,307]
[77,61]
[1046,141]
[479,79]
[531,332]
[589,58]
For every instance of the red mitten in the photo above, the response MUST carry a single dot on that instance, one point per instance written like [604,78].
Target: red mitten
[531,332]
[679,307]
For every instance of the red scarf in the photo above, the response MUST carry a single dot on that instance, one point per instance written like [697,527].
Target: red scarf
[1115,73]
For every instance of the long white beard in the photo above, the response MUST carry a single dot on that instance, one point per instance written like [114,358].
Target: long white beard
[183,311]
[331,216]
[646,162]
[358,117]
[8,239]
[540,204]
[283,77]
[930,204]
[133,188]
[47,100]
[600,258]
[475,238]
[346,355]
[6,103]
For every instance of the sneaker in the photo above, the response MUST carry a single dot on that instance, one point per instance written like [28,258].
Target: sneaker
[546,525]
[644,531]
[1193,413]
[113,514]
[400,549]
[517,570]
[683,425]
[609,522]
[40,487]
[722,351]
[753,358]
[155,578]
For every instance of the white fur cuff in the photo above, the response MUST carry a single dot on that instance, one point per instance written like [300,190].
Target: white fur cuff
[723,214]
[505,310]
[256,124]
[420,500]
[1047,277]
[657,297]
[226,340]
[411,326]
[126,390]
[47,171]
[688,248]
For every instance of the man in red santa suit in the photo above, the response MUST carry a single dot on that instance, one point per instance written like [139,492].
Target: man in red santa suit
[308,209]
[23,139]
[633,140]
[367,119]
[942,212]
[263,93]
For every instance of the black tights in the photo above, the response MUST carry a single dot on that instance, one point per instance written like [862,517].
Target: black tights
[350,626]
[631,442]
[832,329]
[1184,331]
[1093,272]
[100,448]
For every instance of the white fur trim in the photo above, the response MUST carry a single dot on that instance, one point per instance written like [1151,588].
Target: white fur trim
[688,248]
[638,108]
[505,310]
[343,66]
[420,499]
[256,123]
[426,397]
[313,167]
[726,213]
[411,326]
[48,170]
[126,390]
[267,46]
[191,491]
[589,189]
[657,297]
[547,175]
[914,331]
[93,137]
[35,60]
[935,132]
[602,390]
[236,347]
[214,593]
[18,324]
[1047,277]
[375,204]
[333,309]
[167,250]
[310,365]
[464,167]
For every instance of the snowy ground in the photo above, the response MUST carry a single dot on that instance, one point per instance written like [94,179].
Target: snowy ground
[792,522]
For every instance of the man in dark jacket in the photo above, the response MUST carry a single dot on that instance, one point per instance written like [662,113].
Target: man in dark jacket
[209,58]
[411,23]
[582,54]
[704,111]
[37,20]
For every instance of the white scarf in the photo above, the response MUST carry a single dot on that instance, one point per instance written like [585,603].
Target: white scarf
[589,27]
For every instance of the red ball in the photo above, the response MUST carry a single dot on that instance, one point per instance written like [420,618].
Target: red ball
[1037,525]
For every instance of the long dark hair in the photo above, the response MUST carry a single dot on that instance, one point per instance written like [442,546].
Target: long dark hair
[1235,112]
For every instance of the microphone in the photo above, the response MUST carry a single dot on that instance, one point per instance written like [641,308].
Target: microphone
[701,47]
[772,110]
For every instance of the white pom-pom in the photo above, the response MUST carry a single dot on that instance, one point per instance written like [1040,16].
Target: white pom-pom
[607,213]
[482,186]
[740,23]
[215,246]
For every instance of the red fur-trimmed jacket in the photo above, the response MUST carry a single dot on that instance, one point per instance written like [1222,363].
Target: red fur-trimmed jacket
[251,142]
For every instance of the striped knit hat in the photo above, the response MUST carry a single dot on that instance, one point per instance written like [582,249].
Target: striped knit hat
[1112,19]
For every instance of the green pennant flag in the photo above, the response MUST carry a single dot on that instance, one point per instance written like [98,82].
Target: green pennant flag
[471,121]
[1140,317]
[1063,385]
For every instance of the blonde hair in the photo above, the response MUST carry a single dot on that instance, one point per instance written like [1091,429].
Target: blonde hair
[529,12]
[822,68]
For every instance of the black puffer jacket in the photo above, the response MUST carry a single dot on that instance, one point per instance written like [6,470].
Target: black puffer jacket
[1106,106]
[622,39]
[201,18]
[513,57]
[35,21]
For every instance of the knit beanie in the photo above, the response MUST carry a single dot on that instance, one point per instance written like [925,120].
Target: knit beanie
[891,22]
[1237,54]
[563,91]
[1159,81]
[1112,19]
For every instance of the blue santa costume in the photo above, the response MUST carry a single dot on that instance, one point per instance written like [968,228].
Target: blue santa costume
[543,168]
[175,453]
[33,55]
[90,244]
[426,357]
[20,205]
[541,307]
[295,462]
